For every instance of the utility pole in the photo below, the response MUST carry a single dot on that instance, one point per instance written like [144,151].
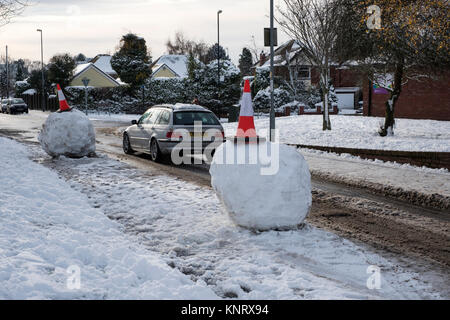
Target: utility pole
[7,74]
[218,54]
[42,71]
[86,83]
[272,107]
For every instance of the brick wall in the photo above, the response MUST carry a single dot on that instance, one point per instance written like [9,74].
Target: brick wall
[427,99]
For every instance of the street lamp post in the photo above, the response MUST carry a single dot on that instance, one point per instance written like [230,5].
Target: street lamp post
[218,54]
[7,74]
[272,107]
[86,83]
[42,69]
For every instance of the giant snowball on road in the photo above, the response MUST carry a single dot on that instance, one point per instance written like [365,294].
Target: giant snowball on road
[272,193]
[68,134]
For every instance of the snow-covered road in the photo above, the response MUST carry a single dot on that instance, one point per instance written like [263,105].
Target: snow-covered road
[185,224]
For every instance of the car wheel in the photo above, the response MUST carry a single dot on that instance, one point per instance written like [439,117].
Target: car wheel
[126,145]
[26,111]
[155,152]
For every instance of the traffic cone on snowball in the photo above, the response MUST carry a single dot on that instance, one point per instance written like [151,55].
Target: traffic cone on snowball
[246,131]
[63,105]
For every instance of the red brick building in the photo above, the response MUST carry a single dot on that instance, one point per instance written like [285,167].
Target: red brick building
[427,99]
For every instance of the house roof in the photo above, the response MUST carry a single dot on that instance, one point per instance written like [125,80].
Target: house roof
[82,68]
[176,63]
[159,67]
[293,47]
[103,62]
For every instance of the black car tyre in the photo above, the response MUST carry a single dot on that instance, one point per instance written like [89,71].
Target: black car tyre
[126,145]
[155,152]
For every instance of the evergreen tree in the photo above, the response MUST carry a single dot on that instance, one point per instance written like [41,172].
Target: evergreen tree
[215,52]
[80,58]
[193,65]
[21,72]
[132,61]
[60,69]
[246,62]
[35,80]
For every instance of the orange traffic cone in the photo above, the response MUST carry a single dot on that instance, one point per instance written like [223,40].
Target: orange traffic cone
[63,105]
[246,130]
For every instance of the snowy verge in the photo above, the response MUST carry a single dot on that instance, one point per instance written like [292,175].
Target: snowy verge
[421,186]
[48,229]
[358,132]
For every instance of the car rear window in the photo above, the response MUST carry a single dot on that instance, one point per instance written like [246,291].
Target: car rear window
[18,101]
[187,118]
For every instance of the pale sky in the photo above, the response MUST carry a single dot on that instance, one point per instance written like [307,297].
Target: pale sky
[94,27]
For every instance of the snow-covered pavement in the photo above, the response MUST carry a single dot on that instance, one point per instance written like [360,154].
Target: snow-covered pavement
[358,132]
[370,173]
[184,223]
[49,234]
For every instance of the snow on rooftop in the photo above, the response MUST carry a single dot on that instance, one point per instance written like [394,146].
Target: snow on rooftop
[81,67]
[103,62]
[185,106]
[30,92]
[177,63]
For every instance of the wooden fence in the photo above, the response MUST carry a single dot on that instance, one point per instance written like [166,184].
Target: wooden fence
[34,102]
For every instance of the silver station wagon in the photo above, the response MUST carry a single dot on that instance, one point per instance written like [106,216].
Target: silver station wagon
[186,128]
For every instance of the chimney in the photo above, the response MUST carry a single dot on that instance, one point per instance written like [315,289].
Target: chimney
[262,58]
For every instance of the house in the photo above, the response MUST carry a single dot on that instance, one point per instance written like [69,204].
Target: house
[289,53]
[170,66]
[97,77]
[428,98]
[346,81]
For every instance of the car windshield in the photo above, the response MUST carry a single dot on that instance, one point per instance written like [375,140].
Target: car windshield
[187,118]
[17,101]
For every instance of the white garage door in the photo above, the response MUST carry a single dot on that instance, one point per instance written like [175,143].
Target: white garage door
[346,100]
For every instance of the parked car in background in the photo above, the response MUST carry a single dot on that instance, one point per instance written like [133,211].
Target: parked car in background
[14,105]
[157,131]
[4,105]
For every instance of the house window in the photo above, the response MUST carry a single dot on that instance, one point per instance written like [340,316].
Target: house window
[304,72]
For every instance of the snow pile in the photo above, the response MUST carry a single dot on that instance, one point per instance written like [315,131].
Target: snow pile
[48,231]
[273,193]
[68,133]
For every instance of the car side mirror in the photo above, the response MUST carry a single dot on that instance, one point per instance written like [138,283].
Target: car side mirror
[134,122]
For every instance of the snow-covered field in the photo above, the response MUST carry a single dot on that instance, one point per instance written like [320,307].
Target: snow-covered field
[48,229]
[358,132]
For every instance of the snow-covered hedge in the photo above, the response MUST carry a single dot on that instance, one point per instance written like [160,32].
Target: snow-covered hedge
[262,99]
[115,100]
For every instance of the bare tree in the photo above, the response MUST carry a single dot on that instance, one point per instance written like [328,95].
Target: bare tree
[10,9]
[182,45]
[313,23]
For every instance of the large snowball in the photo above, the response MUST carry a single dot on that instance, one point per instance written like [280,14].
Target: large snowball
[274,193]
[68,133]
